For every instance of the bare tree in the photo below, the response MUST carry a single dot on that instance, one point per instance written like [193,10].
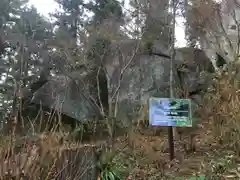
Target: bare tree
[215,25]
[172,131]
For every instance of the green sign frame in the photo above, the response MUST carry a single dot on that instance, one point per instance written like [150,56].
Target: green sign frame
[170,112]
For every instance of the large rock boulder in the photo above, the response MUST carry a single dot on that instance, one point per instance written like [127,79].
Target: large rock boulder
[135,74]
[149,75]
[68,94]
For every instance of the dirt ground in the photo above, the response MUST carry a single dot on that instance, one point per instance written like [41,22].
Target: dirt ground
[147,155]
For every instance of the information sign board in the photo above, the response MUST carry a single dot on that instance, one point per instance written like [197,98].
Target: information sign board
[170,112]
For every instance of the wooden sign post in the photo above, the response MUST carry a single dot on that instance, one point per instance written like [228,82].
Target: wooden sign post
[170,112]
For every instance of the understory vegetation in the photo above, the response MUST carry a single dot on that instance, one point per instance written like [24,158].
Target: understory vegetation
[139,152]
[75,86]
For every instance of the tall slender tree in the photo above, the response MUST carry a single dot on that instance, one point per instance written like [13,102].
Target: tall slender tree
[25,34]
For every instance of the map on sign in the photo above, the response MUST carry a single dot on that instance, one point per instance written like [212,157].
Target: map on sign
[170,112]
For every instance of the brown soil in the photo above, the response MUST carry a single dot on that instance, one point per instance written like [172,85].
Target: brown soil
[148,154]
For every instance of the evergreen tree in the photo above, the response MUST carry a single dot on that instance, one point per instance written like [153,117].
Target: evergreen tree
[105,10]
[25,35]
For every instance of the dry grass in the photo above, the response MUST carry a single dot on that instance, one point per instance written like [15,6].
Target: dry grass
[217,137]
[44,157]
[222,108]
[142,154]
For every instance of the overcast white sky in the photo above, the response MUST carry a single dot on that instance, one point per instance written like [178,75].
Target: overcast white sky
[46,6]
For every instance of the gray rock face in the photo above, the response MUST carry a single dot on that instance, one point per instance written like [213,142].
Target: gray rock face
[67,95]
[149,75]
[134,74]
[194,68]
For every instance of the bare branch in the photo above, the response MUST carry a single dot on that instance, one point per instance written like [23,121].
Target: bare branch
[98,88]
[124,69]
[238,35]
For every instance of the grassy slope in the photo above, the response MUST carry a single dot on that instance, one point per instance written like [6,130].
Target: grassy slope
[142,155]
[216,138]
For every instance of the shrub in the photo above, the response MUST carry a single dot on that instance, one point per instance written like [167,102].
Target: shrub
[44,157]
[221,107]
